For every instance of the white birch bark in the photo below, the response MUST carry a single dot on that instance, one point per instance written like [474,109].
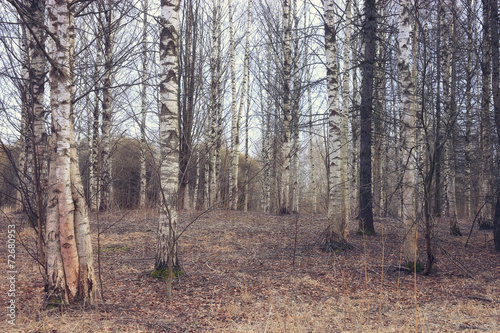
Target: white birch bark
[312,166]
[23,130]
[106,181]
[265,104]
[218,110]
[247,166]
[213,109]
[142,189]
[355,130]
[450,111]
[166,252]
[408,135]
[95,197]
[378,119]
[36,92]
[344,171]
[286,148]
[86,278]
[233,170]
[420,121]
[295,113]
[471,28]
[336,220]
[312,181]
[70,273]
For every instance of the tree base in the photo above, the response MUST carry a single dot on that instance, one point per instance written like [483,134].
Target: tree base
[455,231]
[334,243]
[366,232]
[54,303]
[162,273]
[485,224]
[411,267]
[284,211]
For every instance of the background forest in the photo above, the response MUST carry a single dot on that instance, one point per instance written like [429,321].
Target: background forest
[344,118]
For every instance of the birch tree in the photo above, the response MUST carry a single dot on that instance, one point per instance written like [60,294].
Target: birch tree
[312,166]
[286,148]
[344,172]
[69,262]
[449,81]
[214,113]
[236,112]
[106,182]
[409,135]
[468,106]
[337,223]
[34,155]
[166,252]
[296,93]
[142,190]
[95,196]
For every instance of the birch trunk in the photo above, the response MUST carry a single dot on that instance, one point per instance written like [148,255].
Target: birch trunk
[450,98]
[344,175]
[312,181]
[213,113]
[23,131]
[36,92]
[235,142]
[468,107]
[266,142]
[378,131]
[336,220]
[166,252]
[286,151]
[69,269]
[409,136]
[106,181]
[263,148]
[355,129]
[295,113]
[95,197]
[420,119]
[142,189]
[34,156]
[218,102]
[247,166]
[437,142]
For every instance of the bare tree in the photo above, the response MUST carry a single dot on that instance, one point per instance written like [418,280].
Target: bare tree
[69,268]
[495,45]
[366,110]
[338,226]
[166,252]
[409,135]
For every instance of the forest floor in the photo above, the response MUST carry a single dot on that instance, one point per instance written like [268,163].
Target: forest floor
[254,272]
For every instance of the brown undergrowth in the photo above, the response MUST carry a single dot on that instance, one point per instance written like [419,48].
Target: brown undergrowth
[254,272]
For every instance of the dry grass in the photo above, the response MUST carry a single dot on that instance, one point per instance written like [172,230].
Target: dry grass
[240,278]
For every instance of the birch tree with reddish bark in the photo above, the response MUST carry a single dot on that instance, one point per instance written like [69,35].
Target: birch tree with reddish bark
[69,262]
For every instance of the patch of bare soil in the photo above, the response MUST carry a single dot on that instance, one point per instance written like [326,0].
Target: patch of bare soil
[254,272]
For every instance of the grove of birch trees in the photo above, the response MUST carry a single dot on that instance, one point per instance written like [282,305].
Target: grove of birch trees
[357,110]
